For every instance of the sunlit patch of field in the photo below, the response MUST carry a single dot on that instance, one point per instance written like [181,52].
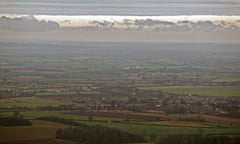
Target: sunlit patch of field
[56,93]
[197,90]
[6,87]
[30,102]
[178,124]
[227,79]
[61,114]
[147,129]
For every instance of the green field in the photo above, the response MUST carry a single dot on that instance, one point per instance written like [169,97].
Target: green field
[164,129]
[62,114]
[197,90]
[45,129]
[31,102]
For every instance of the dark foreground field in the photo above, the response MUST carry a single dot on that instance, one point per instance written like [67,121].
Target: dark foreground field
[40,141]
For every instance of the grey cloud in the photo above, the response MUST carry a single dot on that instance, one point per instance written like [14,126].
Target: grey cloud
[161,25]
[204,26]
[104,24]
[179,26]
[28,24]
[153,23]
[150,22]
[225,25]
[128,24]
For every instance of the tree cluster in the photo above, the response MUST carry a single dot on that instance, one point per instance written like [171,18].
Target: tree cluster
[14,121]
[97,135]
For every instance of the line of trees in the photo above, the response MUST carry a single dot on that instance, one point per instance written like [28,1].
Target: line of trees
[14,121]
[97,135]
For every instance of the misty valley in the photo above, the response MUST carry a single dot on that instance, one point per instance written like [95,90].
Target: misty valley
[118,92]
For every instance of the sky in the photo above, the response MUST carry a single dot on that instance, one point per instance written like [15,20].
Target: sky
[121,20]
[121,7]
